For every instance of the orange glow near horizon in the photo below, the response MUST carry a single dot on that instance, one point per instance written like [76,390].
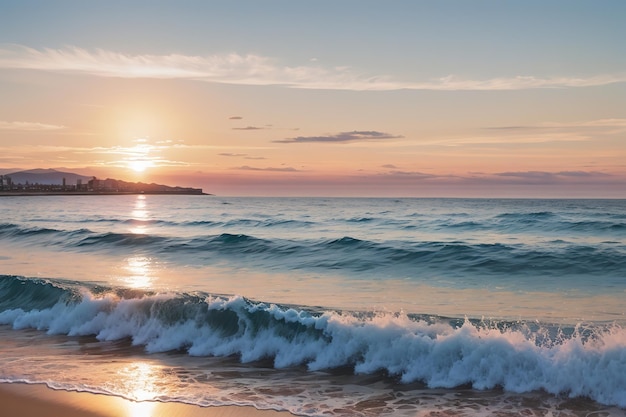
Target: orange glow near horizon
[226,156]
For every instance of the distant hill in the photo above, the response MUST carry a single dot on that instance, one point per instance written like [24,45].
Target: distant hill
[46,177]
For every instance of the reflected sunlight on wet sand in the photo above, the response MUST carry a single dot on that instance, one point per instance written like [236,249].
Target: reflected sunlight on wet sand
[38,400]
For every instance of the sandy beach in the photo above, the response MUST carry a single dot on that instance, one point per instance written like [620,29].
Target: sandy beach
[39,400]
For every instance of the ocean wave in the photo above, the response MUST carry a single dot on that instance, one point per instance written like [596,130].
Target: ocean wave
[119,239]
[593,226]
[418,258]
[528,216]
[244,222]
[15,231]
[360,219]
[466,225]
[441,353]
[453,222]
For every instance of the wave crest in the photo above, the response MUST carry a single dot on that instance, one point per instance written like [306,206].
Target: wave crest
[439,352]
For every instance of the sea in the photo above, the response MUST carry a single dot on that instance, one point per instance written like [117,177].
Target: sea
[319,306]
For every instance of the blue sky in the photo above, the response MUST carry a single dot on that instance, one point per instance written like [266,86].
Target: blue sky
[409,39]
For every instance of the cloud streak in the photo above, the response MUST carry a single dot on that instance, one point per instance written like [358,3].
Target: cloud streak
[273,169]
[545,177]
[251,69]
[117,156]
[232,155]
[343,137]
[241,155]
[28,126]
[249,128]
[589,124]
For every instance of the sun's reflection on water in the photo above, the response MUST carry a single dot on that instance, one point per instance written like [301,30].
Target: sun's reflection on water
[140,216]
[139,382]
[141,274]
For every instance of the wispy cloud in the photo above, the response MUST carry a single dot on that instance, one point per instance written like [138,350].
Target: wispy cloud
[235,118]
[605,123]
[544,176]
[147,154]
[280,169]
[511,138]
[232,155]
[343,137]
[519,82]
[588,124]
[547,132]
[241,155]
[29,126]
[249,128]
[250,69]
[118,156]
[415,175]
[510,177]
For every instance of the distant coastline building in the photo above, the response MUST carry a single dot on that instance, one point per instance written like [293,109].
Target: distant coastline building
[5,182]
[109,185]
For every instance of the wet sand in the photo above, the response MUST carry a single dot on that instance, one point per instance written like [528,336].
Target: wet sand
[39,401]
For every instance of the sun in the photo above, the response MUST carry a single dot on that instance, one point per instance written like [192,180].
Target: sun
[139,165]
[139,157]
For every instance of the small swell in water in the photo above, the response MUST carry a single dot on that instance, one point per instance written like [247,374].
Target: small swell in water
[420,259]
[15,231]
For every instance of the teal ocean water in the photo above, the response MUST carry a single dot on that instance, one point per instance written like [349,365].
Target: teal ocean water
[322,307]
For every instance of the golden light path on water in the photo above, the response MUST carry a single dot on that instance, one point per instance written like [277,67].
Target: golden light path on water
[140,215]
[138,382]
[149,385]
[139,269]
[140,272]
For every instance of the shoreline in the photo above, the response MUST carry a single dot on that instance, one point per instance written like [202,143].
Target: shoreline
[36,400]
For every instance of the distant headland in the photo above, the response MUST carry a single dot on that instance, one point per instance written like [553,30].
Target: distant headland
[53,182]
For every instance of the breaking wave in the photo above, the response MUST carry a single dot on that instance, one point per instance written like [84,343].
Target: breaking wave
[439,352]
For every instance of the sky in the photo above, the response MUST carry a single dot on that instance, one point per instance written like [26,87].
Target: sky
[321,98]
